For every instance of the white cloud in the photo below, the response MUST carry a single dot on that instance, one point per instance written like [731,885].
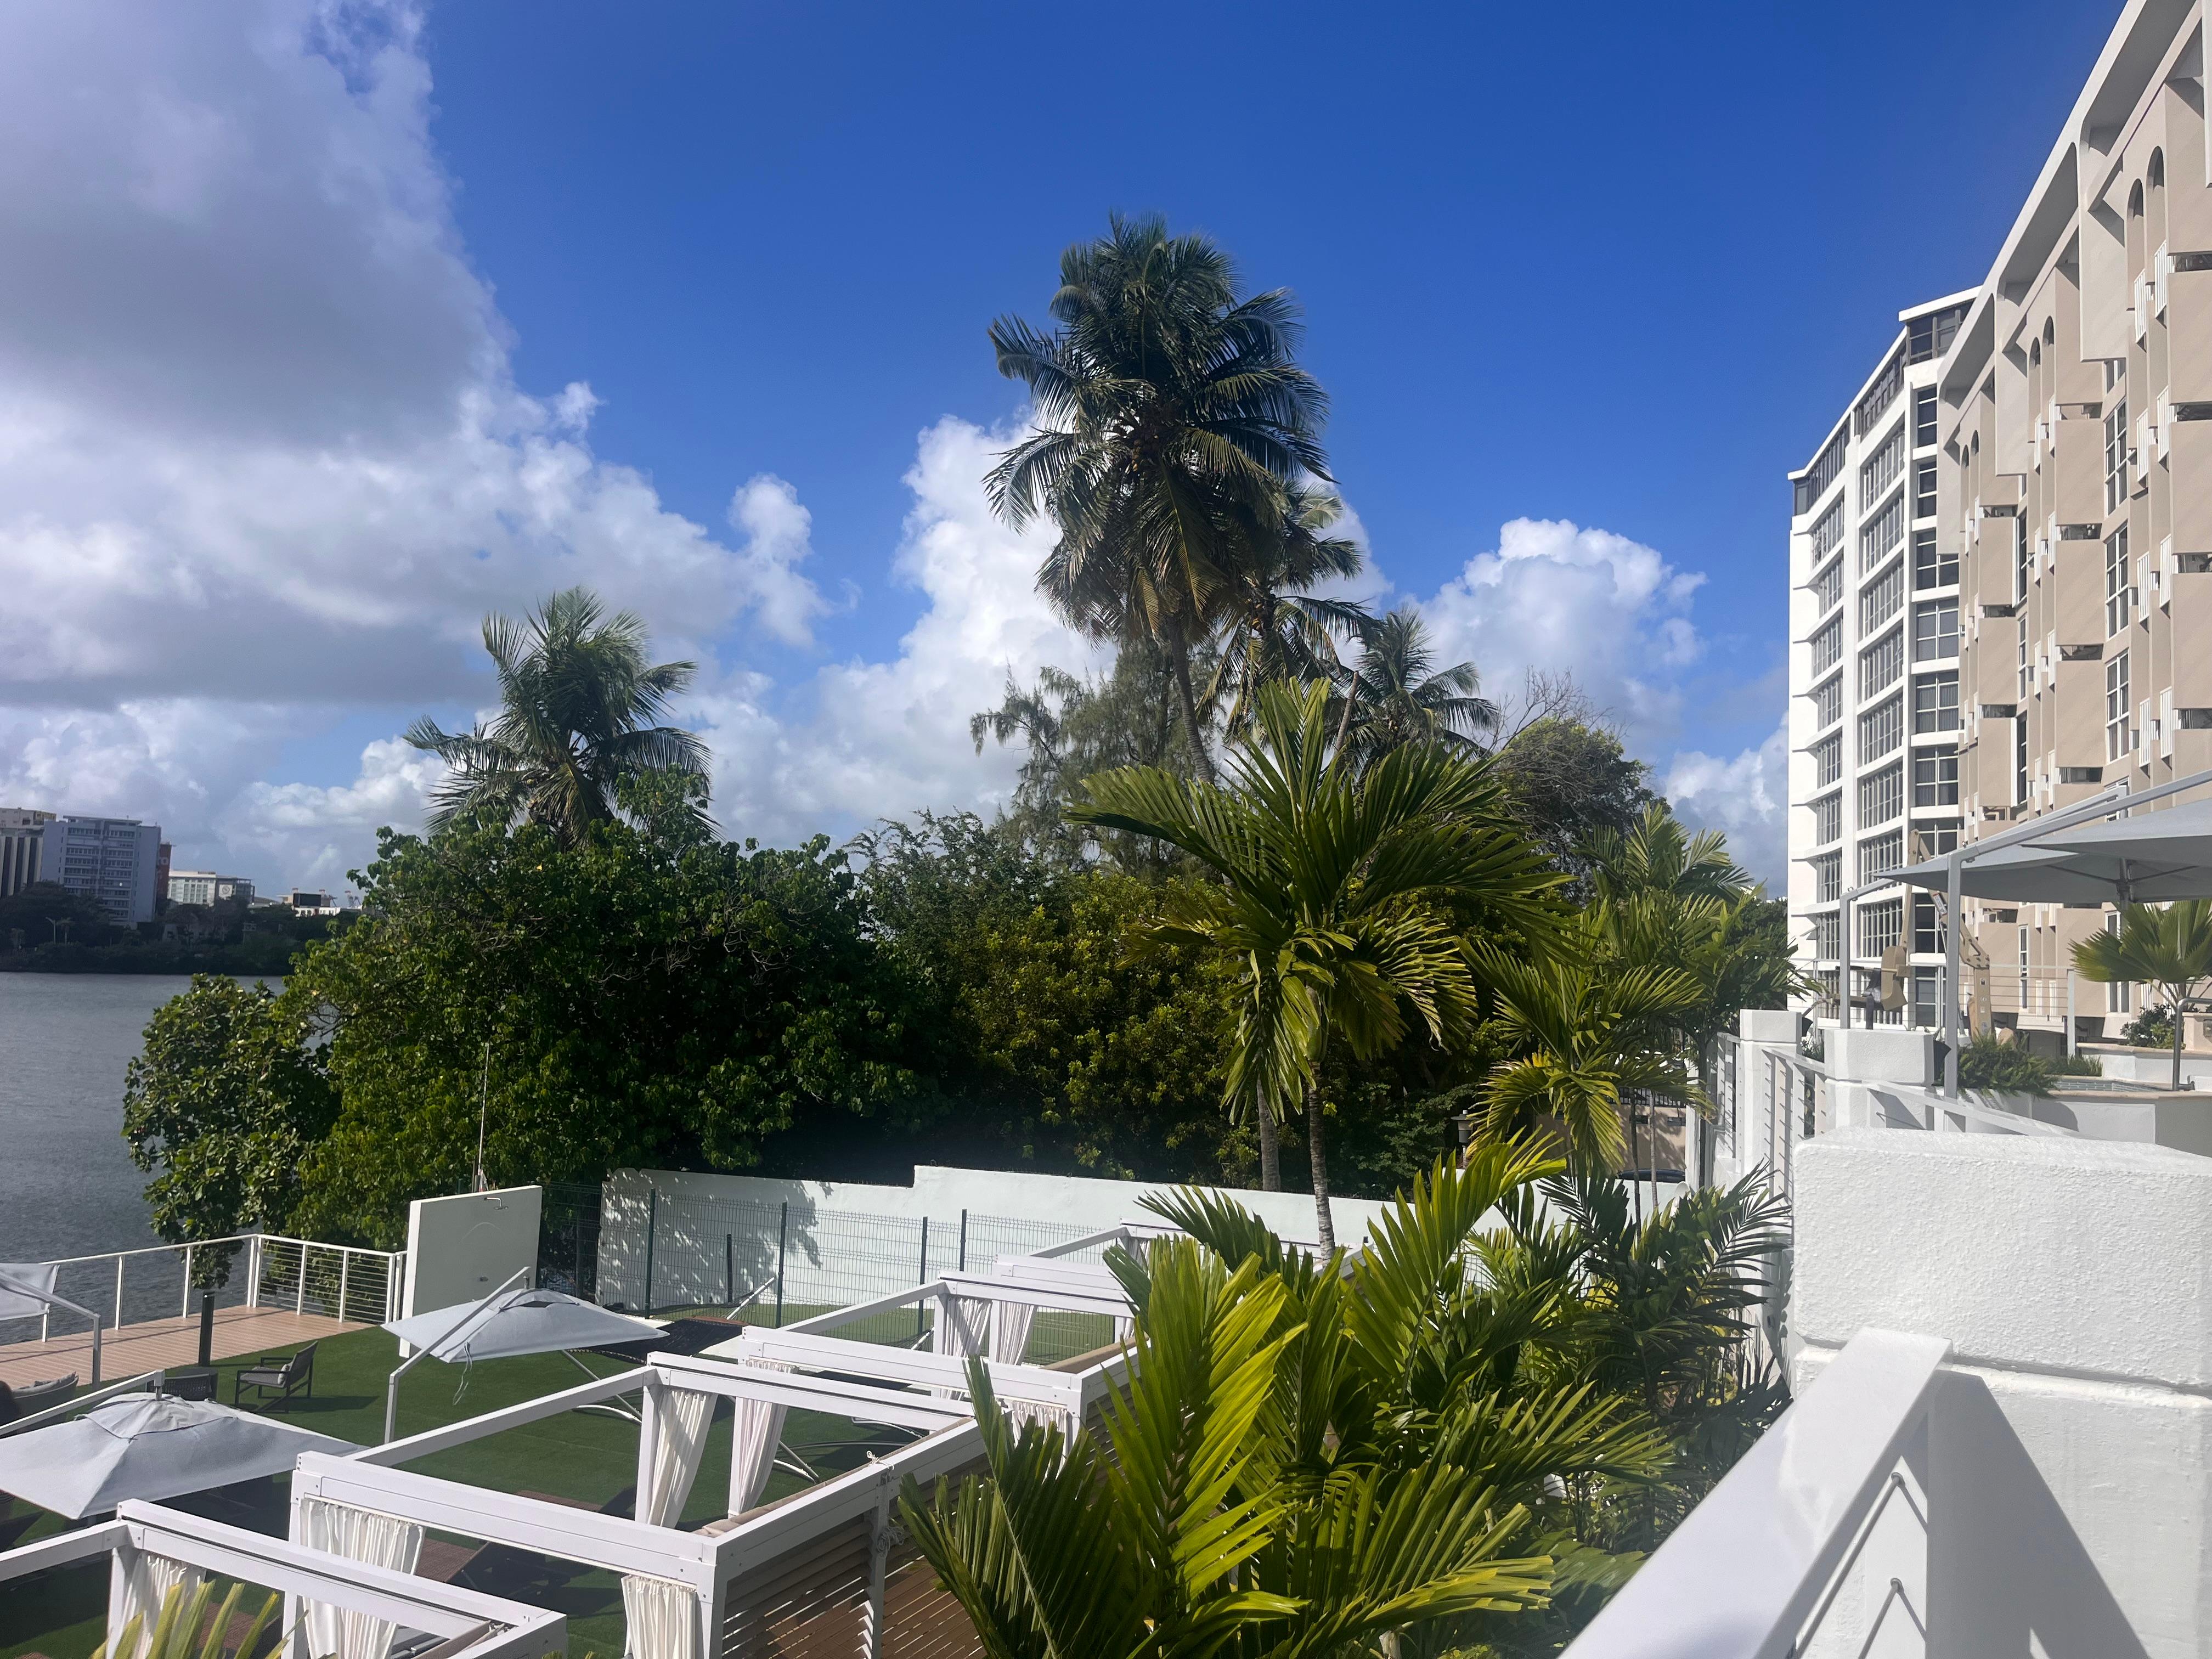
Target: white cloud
[1748,797]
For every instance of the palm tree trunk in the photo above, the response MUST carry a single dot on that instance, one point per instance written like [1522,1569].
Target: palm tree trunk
[1270,1146]
[1179,666]
[1319,1157]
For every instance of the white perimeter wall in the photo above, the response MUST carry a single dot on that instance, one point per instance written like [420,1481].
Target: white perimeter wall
[2070,1463]
[714,1237]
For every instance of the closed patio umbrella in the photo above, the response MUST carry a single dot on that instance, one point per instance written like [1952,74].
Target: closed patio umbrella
[149,1446]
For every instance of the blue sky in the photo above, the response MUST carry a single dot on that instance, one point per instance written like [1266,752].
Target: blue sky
[1615,266]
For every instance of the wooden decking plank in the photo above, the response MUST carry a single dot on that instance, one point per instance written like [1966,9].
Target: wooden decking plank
[165,1343]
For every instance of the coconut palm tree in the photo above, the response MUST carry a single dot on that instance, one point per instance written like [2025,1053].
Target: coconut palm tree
[1271,625]
[1333,893]
[578,713]
[1589,1030]
[1396,694]
[2169,947]
[1165,402]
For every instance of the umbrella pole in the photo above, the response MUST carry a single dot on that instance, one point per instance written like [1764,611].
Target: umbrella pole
[392,1384]
[1952,930]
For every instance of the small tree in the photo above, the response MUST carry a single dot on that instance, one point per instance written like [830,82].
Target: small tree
[2170,948]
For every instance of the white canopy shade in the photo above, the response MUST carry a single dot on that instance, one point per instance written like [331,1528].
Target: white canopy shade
[520,1322]
[150,1446]
[2149,859]
[37,1282]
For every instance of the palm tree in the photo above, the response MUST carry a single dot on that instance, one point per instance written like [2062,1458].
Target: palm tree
[1590,1030]
[578,707]
[2170,948]
[1659,857]
[1165,402]
[1333,894]
[1396,694]
[1273,627]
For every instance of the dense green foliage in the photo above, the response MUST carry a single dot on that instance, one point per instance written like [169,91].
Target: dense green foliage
[225,1101]
[2167,945]
[1466,1438]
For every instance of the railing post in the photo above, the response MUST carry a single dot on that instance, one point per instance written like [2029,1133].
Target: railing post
[920,1314]
[782,1241]
[184,1307]
[119,1259]
[300,1302]
[253,1271]
[345,1267]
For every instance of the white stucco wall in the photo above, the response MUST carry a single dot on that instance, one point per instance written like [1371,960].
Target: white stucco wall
[2070,1460]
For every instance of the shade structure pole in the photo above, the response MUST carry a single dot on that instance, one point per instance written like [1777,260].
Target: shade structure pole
[1952,930]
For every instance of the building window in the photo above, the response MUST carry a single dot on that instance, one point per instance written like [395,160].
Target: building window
[1932,566]
[1881,729]
[2019,560]
[1828,534]
[1827,819]
[1881,663]
[1827,877]
[1936,701]
[1931,336]
[1828,588]
[1827,644]
[1823,472]
[1924,418]
[1881,926]
[1925,985]
[1878,397]
[2119,710]
[1881,599]
[1936,776]
[1826,935]
[1880,854]
[2020,760]
[1935,630]
[1828,703]
[1927,925]
[1882,796]
[1881,534]
[1883,468]
[1933,840]
[2119,596]
[2116,455]
[1923,489]
[1828,760]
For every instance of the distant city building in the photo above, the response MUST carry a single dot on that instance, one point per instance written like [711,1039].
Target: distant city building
[307,901]
[162,873]
[110,861]
[23,830]
[205,887]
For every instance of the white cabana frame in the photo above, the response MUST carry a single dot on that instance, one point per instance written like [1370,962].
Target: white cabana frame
[472,1625]
[809,1370]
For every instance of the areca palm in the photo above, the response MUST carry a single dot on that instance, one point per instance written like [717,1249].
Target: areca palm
[1590,1030]
[1660,857]
[580,709]
[2169,947]
[1165,403]
[1333,893]
[1396,694]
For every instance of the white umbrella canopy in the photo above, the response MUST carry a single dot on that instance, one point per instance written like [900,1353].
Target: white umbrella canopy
[2149,859]
[520,1322]
[149,1446]
[24,1287]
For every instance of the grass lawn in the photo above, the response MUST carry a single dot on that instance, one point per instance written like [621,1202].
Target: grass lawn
[583,1456]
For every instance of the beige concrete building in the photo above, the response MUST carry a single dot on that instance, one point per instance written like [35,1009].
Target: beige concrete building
[2068,489]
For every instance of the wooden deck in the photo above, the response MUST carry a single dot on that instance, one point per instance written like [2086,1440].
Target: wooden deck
[159,1344]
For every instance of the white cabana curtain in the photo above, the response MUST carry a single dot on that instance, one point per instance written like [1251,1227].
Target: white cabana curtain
[1022,1413]
[1010,1330]
[146,1586]
[960,1332]
[662,1618]
[682,1417]
[754,1435]
[381,1541]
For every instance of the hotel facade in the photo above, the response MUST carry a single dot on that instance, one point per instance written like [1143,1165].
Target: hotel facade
[2000,560]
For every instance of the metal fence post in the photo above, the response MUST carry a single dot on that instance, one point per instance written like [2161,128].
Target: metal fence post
[253,1271]
[184,1301]
[119,1260]
[783,1238]
[345,1269]
[730,1270]
[299,1302]
[651,1220]
[920,1314]
[964,1241]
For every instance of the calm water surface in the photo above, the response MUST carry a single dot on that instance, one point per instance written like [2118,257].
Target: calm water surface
[67,1184]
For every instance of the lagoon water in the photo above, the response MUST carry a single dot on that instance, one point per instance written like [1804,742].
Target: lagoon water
[67,1184]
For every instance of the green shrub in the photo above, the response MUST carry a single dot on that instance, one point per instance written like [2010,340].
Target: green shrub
[2080,1066]
[1987,1062]
[2151,1029]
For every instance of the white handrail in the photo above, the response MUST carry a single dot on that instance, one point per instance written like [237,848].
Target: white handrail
[1749,1567]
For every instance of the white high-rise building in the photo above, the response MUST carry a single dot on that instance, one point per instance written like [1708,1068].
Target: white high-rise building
[111,861]
[205,887]
[1873,675]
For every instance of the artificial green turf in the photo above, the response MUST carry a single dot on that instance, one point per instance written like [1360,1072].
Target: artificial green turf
[583,1456]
